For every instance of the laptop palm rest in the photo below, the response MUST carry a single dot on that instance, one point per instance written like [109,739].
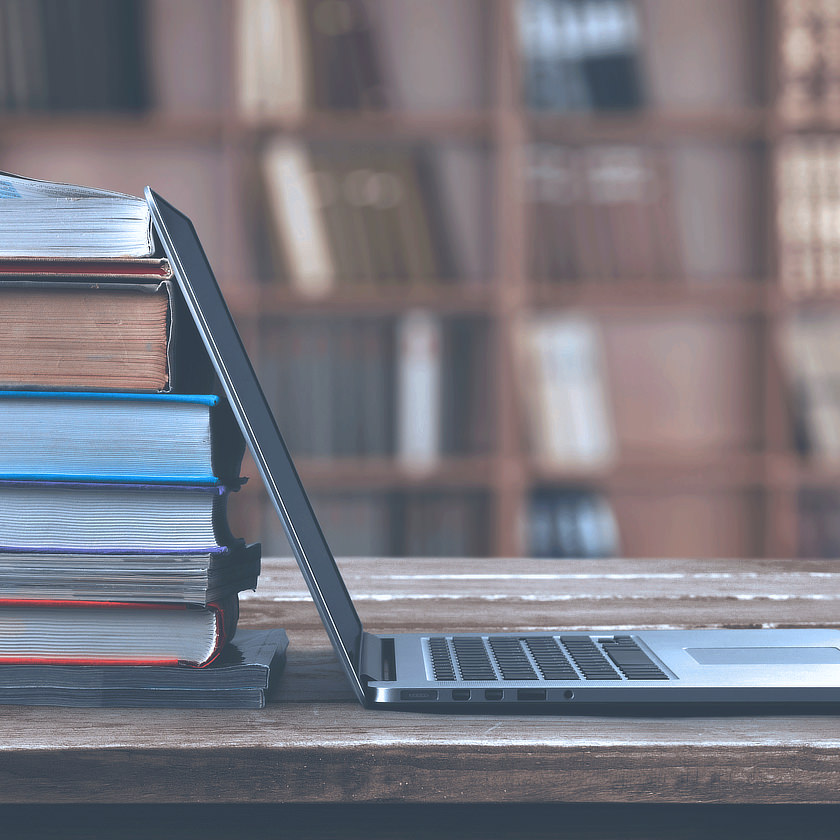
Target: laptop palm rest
[765,655]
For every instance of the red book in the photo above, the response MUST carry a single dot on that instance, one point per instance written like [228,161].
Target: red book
[128,269]
[110,633]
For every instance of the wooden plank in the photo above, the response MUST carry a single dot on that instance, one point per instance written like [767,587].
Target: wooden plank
[314,743]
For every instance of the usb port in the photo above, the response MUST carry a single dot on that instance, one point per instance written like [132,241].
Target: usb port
[530,694]
[460,694]
[493,694]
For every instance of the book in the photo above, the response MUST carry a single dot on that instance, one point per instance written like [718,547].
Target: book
[167,438]
[295,213]
[563,391]
[272,68]
[74,55]
[580,54]
[114,516]
[241,677]
[601,213]
[807,170]
[107,632]
[95,336]
[355,215]
[571,522]
[158,576]
[808,69]
[810,351]
[419,390]
[48,219]
[129,269]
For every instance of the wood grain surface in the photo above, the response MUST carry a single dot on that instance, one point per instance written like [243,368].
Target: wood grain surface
[315,744]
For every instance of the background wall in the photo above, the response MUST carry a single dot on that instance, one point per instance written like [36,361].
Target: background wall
[519,276]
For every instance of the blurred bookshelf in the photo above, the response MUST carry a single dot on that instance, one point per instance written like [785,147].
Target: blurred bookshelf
[506,268]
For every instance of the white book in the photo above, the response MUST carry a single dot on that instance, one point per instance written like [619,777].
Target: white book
[419,338]
[564,388]
[47,219]
[271,79]
[296,208]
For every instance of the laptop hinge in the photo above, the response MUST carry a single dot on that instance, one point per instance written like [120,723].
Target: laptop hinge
[371,664]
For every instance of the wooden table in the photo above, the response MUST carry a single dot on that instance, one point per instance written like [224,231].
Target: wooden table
[315,763]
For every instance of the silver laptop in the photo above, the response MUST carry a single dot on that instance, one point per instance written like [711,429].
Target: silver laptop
[551,671]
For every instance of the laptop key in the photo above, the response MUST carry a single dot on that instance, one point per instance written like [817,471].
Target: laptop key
[473,661]
[442,666]
[551,661]
[512,660]
[631,660]
[591,662]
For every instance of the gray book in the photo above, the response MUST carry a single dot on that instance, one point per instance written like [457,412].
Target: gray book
[241,677]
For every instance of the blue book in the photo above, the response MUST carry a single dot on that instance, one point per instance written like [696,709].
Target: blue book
[140,438]
[47,516]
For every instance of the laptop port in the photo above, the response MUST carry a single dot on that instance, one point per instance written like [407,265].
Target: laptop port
[530,694]
[494,694]
[460,694]
[418,694]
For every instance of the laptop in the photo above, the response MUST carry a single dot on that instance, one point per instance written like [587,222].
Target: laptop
[547,671]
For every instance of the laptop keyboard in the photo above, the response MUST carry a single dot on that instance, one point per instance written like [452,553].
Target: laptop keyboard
[567,657]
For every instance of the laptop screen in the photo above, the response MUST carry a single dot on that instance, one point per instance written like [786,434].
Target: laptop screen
[218,331]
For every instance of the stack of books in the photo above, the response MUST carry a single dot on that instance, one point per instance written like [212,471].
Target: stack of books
[117,458]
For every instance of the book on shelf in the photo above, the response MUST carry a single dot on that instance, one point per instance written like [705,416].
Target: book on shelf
[186,438]
[108,632]
[580,54]
[296,55]
[357,386]
[419,389]
[810,351]
[808,214]
[349,216]
[398,524]
[240,677]
[75,55]
[164,576]
[47,219]
[563,391]
[808,73]
[818,521]
[605,212]
[571,522]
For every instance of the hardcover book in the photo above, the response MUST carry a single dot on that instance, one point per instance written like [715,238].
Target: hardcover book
[241,677]
[106,632]
[46,219]
[168,438]
[198,577]
[112,516]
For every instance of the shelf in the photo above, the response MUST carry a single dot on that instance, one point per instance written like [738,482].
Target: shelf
[741,124]
[641,472]
[366,125]
[746,297]
[198,128]
[350,474]
[453,299]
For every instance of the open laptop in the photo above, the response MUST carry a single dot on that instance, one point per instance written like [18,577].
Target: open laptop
[535,671]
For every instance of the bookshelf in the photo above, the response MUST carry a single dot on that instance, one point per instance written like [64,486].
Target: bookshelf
[707,463]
